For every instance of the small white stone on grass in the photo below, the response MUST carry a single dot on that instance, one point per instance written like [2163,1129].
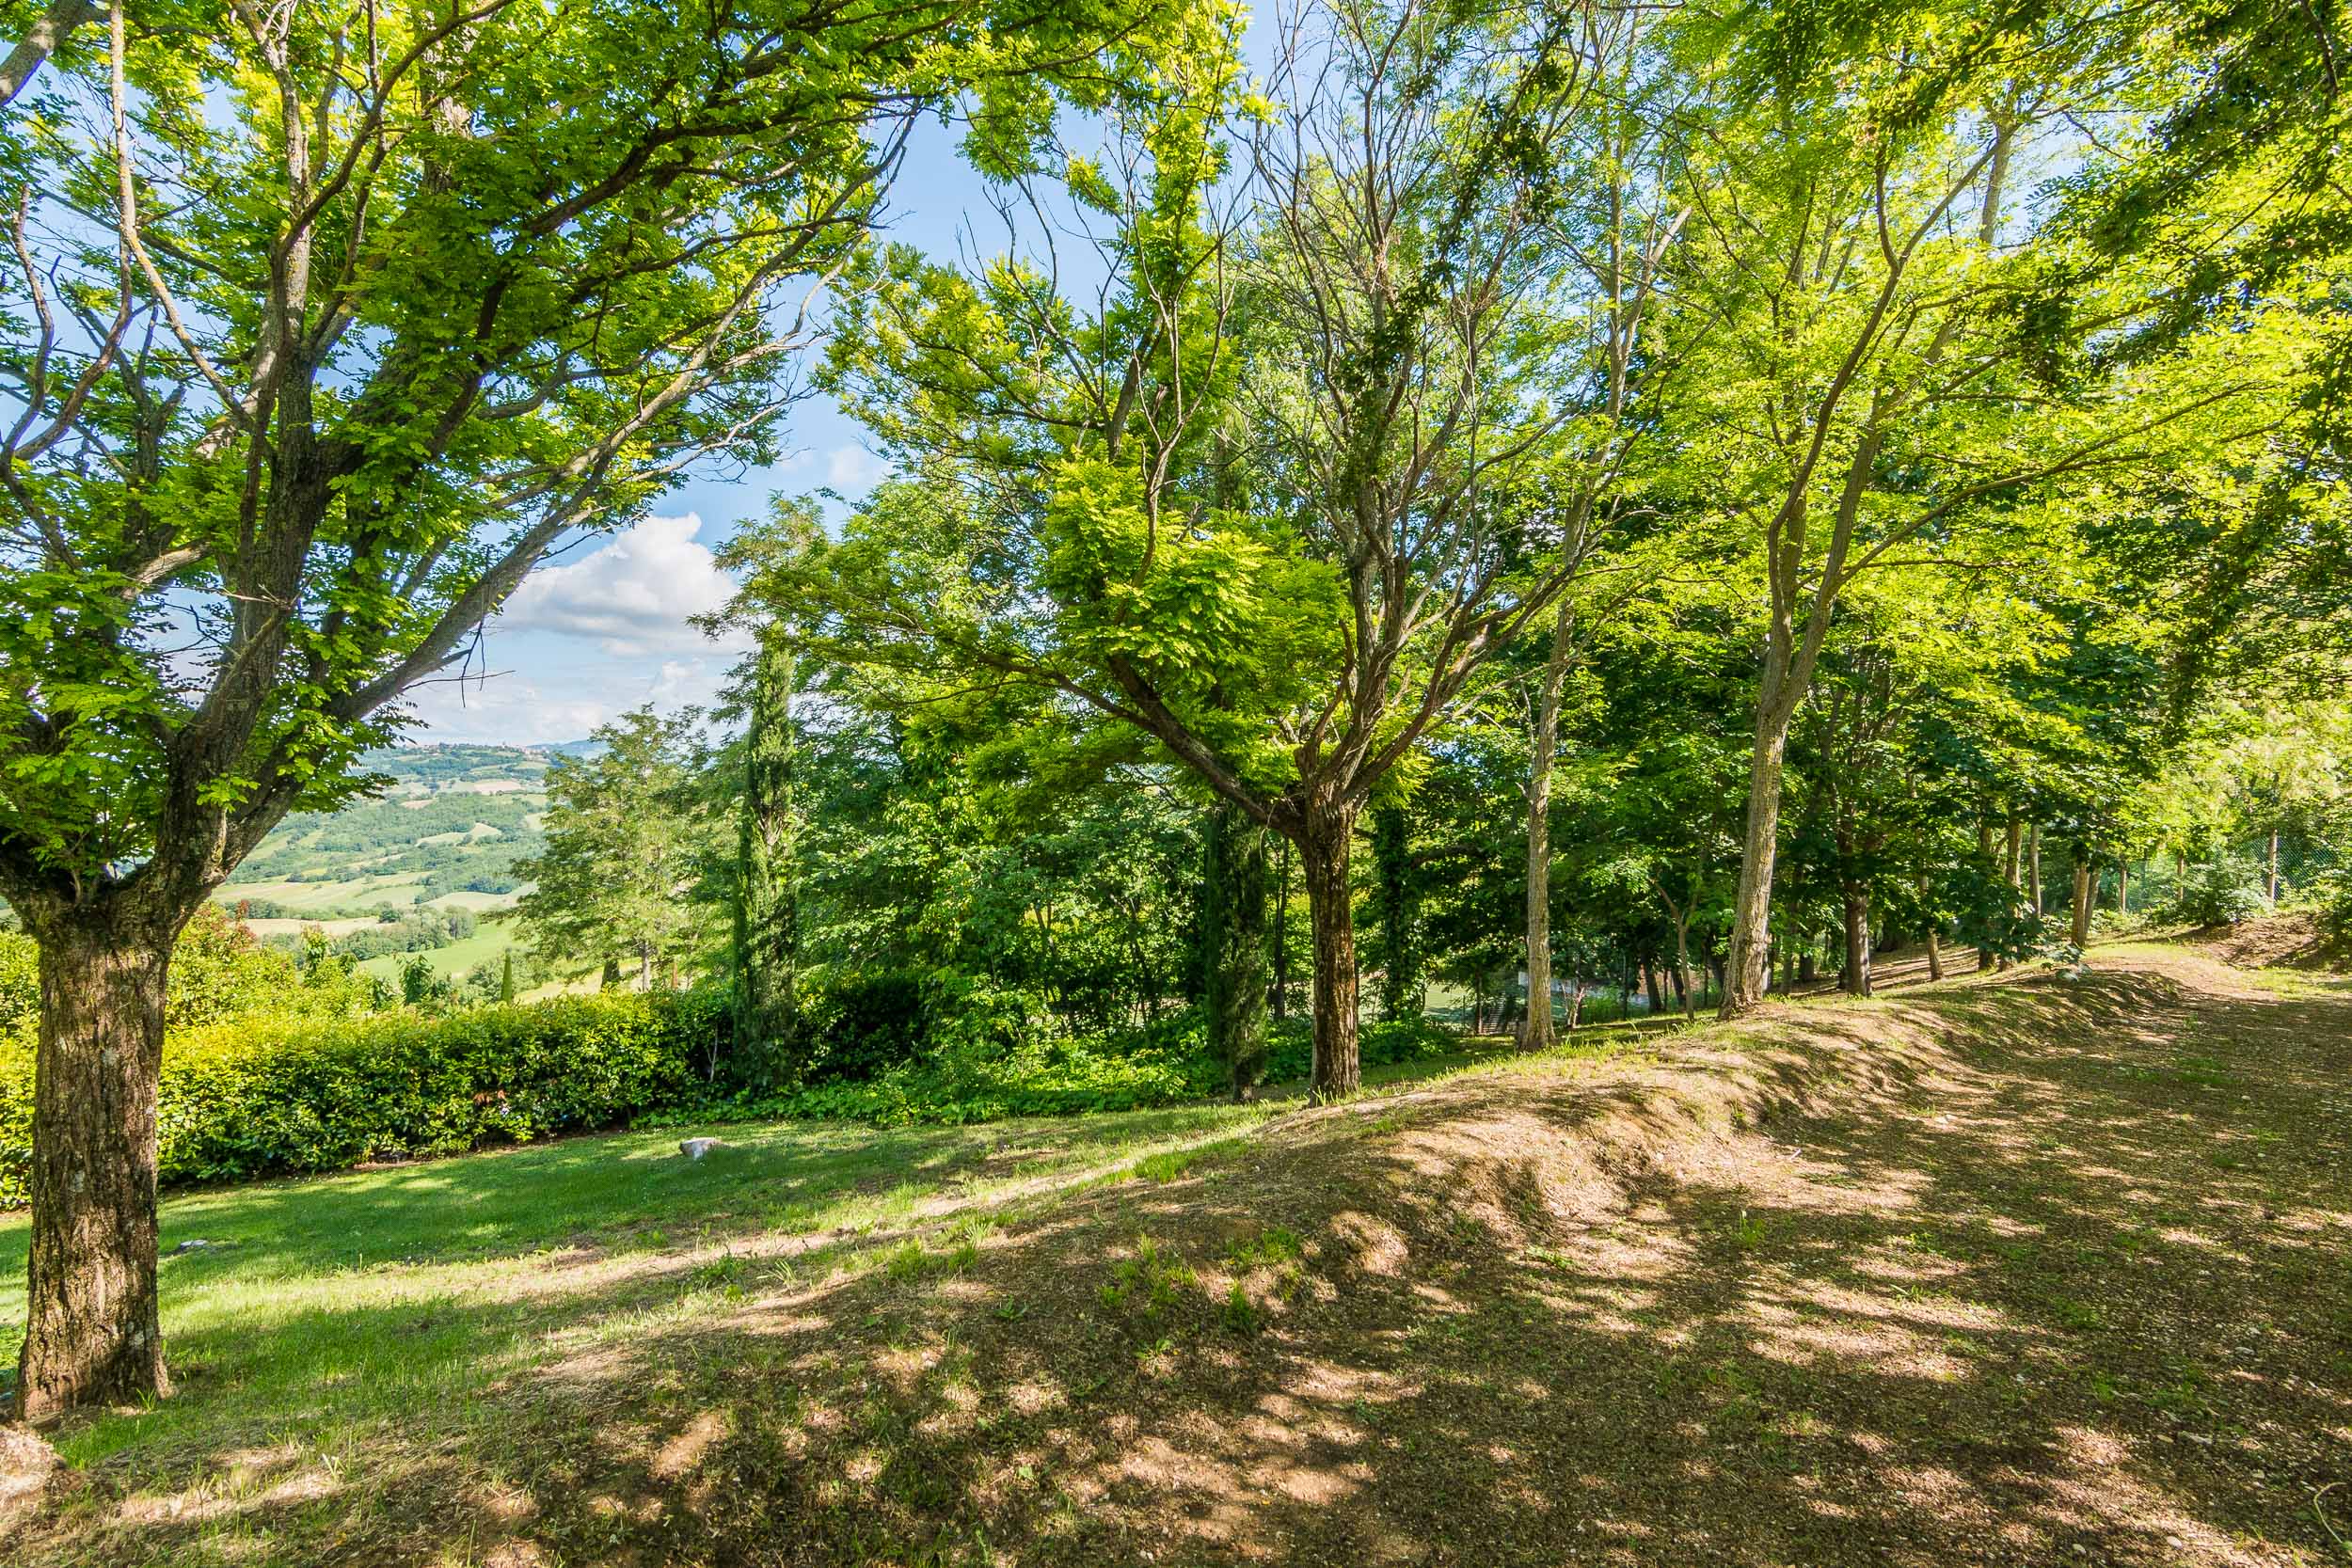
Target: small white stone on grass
[694,1148]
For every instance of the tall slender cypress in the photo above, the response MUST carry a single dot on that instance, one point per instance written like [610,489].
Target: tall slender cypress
[767,915]
[1233,943]
[1397,897]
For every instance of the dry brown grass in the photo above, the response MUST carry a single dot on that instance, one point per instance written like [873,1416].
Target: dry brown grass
[2290,941]
[2026,1271]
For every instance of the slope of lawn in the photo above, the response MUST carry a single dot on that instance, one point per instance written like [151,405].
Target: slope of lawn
[2026,1270]
[451,960]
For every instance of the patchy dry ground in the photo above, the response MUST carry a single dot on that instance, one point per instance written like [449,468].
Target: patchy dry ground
[2287,941]
[2026,1271]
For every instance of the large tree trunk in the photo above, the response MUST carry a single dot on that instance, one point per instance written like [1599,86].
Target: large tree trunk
[1752,905]
[2271,871]
[1233,947]
[1855,981]
[1935,936]
[1537,1033]
[1323,851]
[2083,887]
[92,1333]
[2033,840]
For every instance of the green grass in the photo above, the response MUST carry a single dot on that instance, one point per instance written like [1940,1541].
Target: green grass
[335,1308]
[356,891]
[339,1308]
[490,939]
[465,899]
[595,1351]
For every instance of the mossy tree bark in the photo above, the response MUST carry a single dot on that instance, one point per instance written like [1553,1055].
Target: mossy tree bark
[92,1331]
[1324,845]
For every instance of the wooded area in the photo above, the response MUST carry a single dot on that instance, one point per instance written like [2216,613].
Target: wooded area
[1635,508]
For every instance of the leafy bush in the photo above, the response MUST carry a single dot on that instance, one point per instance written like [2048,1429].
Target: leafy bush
[2333,890]
[1039,1078]
[1386,1043]
[858,1026]
[2220,894]
[289,1095]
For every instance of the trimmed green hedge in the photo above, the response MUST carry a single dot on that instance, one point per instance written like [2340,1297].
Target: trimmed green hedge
[275,1096]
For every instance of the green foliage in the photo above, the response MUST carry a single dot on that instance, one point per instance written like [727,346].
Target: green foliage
[2220,893]
[628,832]
[513,277]
[273,1097]
[1233,943]
[219,973]
[2333,890]
[1390,1042]
[861,1024]
[1396,897]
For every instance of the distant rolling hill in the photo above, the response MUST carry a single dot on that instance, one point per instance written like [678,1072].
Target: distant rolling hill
[446,833]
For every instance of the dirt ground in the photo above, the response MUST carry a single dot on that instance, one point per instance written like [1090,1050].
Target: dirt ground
[2288,941]
[2030,1270]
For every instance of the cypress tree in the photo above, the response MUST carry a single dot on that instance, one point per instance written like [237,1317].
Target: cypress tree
[767,917]
[1397,901]
[1233,943]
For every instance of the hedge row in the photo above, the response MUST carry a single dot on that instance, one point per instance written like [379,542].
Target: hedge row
[288,1096]
[279,1097]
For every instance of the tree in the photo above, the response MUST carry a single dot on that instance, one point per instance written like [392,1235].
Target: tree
[1286,553]
[1396,899]
[627,836]
[1233,943]
[489,275]
[763,890]
[766,938]
[1854,281]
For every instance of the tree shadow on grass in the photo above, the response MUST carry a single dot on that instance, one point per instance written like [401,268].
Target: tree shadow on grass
[1874,1298]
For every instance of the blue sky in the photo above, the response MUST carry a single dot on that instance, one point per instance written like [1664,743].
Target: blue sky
[605,627]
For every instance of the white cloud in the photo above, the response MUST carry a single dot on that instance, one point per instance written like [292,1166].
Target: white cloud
[853,470]
[584,641]
[633,597]
[505,710]
[527,708]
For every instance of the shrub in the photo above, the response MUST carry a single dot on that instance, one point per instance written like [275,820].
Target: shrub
[2334,892]
[857,1026]
[2220,894]
[1383,1044]
[289,1095]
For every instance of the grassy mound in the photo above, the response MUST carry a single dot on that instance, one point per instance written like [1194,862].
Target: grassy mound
[2024,1271]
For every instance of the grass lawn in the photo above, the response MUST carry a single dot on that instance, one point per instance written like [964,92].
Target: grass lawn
[359,892]
[329,1311]
[465,899]
[2022,1271]
[490,939]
